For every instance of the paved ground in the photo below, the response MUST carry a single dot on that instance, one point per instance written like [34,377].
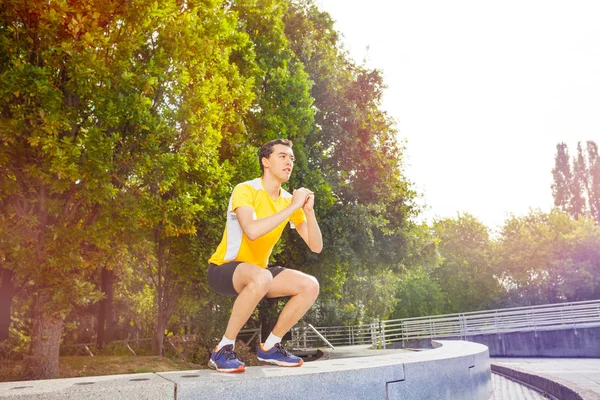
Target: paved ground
[506,389]
[583,372]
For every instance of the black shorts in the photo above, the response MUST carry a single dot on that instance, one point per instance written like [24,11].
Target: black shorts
[220,277]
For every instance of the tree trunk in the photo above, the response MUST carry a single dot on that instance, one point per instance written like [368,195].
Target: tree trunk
[159,335]
[109,333]
[105,314]
[42,362]
[101,311]
[167,292]
[166,307]
[7,292]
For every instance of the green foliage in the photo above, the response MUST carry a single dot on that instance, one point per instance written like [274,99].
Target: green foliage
[466,274]
[110,124]
[548,258]
[364,203]
[539,258]
[419,294]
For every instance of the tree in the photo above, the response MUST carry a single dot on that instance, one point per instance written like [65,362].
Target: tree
[51,193]
[8,281]
[578,267]
[579,205]
[196,101]
[593,180]
[365,209]
[561,186]
[577,192]
[419,294]
[7,292]
[549,257]
[466,275]
[105,321]
[103,102]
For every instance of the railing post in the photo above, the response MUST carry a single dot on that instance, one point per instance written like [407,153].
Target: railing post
[374,333]
[383,333]
[496,322]
[304,337]
[402,332]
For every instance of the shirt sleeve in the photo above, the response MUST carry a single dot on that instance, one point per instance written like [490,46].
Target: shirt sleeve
[297,218]
[242,196]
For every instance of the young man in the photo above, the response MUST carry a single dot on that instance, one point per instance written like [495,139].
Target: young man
[257,214]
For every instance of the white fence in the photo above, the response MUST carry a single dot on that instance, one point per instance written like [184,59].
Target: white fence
[519,319]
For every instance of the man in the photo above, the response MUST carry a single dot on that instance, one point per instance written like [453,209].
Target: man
[257,214]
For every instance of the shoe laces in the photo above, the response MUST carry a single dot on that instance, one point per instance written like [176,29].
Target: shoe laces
[281,349]
[227,352]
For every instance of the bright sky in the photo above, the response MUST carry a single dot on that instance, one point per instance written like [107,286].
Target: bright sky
[482,92]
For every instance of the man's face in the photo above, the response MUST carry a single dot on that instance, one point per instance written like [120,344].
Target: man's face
[280,163]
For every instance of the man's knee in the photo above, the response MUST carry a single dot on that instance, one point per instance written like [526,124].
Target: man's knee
[261,281]
[311,286]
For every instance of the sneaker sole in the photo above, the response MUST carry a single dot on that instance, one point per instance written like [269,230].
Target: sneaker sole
[280,363]
[213,365]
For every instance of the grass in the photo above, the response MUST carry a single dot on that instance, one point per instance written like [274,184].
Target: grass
[78,366]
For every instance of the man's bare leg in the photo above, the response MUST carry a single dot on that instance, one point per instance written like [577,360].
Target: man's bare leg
[304,290]
[252,283]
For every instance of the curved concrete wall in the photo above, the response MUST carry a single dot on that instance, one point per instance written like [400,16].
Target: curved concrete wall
[456,370]
[582,341]
[568,342]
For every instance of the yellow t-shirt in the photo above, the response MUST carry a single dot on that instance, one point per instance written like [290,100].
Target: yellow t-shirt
[235,245]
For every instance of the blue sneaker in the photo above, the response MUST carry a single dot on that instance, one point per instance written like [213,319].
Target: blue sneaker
[225,360]
[278,355]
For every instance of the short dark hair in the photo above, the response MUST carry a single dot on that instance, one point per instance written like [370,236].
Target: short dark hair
[267,149]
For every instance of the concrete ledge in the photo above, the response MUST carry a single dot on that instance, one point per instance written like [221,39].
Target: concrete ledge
[111,387]
[553,386]
[455,370]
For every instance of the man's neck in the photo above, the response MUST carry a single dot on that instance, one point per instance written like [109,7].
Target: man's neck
[271,185]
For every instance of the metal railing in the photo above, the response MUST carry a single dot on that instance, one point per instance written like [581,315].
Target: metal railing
[518,319]
[304,337]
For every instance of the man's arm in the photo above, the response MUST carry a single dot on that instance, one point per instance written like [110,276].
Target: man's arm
[255,228]
[309,230]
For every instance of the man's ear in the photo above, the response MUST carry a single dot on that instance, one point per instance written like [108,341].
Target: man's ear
[265,162]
